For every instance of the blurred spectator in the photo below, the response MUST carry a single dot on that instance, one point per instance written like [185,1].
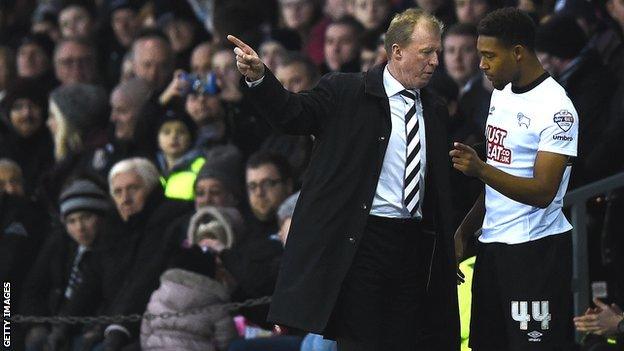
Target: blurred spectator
[11,178]
[75,61]
[153,59]
[224,66]
[461,61]
[76,20]
[201,59]
[219,181]
[58,270]
[272,52]
[209,116]
[78,116]
[560,44]
[372,43]
[342,48]
[23,135]
[124,23]
[297,73]
[21,230]
[442,9]
[243,127]
[45,21]
[372,14]
[34,57]
[472,11]
[299,16]
[124,269]
[610,42]
[183,31]
[129,133]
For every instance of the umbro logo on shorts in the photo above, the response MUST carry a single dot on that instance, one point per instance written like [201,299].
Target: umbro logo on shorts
[535,336]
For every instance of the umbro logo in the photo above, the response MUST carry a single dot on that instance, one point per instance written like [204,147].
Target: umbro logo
[491,110]
[535,336]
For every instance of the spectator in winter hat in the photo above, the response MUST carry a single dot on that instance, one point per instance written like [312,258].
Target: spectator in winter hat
[58,270]
[82,206]
[78,113]
[219,181]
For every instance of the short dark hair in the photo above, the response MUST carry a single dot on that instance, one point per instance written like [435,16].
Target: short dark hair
[466,29]
[349,21]
[509,25]
[263,157]
[311,70]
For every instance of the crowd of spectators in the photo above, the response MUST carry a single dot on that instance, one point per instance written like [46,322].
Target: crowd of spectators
[134,176]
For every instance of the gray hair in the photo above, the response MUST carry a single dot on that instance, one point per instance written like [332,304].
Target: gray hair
[403,24]
[139,165]
[137,90]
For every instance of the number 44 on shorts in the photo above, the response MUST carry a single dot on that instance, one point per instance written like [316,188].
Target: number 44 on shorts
[539,312]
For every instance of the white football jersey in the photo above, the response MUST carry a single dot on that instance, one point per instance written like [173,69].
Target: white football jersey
[519,125]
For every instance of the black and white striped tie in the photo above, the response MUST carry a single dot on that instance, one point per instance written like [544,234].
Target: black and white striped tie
[411,194]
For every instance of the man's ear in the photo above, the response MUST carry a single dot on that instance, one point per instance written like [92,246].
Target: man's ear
[397,53]
[518,52]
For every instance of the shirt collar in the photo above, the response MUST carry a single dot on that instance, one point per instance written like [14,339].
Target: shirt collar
[391,85]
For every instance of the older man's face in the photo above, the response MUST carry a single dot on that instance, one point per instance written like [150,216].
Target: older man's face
[152,60]
[129,192]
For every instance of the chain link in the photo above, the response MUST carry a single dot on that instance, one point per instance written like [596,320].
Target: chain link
[233,306]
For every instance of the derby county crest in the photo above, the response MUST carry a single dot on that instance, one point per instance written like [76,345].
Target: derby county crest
[564,120]
[523,120]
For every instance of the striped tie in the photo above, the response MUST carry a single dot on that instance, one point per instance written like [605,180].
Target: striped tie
[411,195]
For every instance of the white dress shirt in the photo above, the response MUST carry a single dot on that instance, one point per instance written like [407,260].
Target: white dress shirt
[388,201]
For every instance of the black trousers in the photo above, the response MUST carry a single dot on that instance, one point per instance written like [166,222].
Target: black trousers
[381,300]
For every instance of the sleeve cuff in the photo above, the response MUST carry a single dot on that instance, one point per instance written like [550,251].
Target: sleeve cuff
[255,82]
[118,327]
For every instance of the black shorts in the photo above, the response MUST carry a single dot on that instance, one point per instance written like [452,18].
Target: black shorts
[521,296]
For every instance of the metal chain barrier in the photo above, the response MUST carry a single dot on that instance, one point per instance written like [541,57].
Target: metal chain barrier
[138,317]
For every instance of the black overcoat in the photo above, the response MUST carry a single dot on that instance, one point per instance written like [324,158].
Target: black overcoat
[349,116]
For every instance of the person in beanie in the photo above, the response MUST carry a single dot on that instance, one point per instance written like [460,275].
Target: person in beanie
[219,181]
[58,269]
[77,120]
[560,44]
[23,135]
[78,116]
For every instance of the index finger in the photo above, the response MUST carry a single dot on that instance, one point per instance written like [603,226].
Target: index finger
[234,40]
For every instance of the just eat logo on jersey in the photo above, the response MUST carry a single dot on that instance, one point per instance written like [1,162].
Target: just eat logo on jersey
[496,149]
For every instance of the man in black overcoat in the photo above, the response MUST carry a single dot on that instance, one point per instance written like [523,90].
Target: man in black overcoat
[369,259]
